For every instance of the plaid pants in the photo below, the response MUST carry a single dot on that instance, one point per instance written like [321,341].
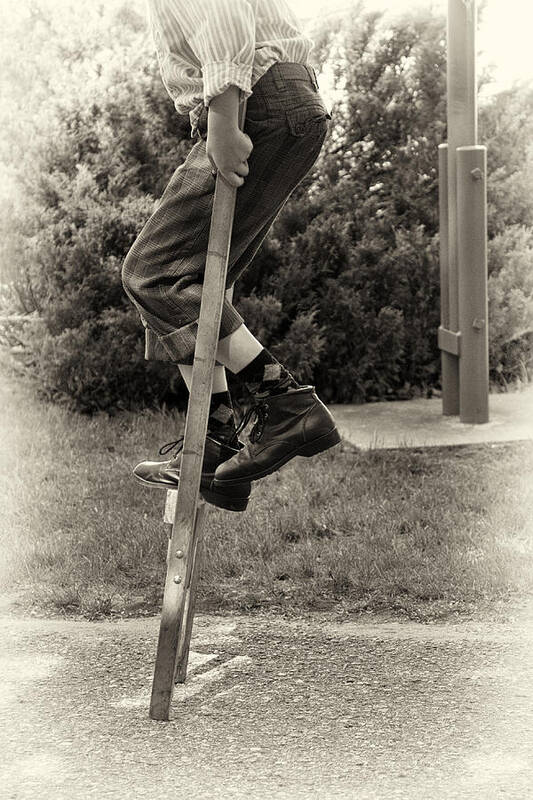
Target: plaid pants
[162,274]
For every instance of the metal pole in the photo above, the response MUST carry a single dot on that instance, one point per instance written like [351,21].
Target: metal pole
[449,344]
[472,267]
[462,130]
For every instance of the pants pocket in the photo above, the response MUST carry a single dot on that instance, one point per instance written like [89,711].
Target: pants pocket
[302,121]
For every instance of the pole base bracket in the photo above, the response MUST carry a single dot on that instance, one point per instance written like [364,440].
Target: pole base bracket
[450,341]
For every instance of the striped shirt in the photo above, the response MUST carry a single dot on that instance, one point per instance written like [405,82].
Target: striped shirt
[205,46]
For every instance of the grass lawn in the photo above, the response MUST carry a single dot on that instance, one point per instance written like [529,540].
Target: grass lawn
[423,534]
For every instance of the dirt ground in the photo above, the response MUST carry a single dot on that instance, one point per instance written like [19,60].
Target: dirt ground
[271,708]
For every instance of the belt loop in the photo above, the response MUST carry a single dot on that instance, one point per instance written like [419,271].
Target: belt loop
[312,75]
[278,78]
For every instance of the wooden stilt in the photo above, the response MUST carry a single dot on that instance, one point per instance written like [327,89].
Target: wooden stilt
[190,599]
[182,561]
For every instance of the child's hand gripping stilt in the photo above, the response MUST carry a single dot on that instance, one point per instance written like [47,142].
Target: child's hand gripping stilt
[228,149]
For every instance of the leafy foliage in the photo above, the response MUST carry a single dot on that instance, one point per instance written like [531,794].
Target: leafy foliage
[345,289]
[361,233]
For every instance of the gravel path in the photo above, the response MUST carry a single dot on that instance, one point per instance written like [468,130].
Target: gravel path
[272,708]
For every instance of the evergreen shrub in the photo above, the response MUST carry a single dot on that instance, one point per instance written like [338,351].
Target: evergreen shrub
[345,288]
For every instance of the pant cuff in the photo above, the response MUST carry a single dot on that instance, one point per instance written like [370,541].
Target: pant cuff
[153,349]
[178,346]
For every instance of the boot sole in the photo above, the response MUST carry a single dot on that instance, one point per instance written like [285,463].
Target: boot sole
[306,450]
[214,498]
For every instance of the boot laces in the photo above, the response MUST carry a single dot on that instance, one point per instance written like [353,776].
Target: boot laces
[260,410]
[167,448]
[178,444]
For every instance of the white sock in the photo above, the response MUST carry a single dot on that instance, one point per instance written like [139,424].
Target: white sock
[238,349]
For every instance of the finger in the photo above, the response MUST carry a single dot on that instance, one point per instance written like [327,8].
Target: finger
[243,169]
[232,179]
[249,143]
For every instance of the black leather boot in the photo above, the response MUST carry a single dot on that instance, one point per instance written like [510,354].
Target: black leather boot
[295,423]
[166,474]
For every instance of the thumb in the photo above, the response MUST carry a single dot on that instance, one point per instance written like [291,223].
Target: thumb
[213,165]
